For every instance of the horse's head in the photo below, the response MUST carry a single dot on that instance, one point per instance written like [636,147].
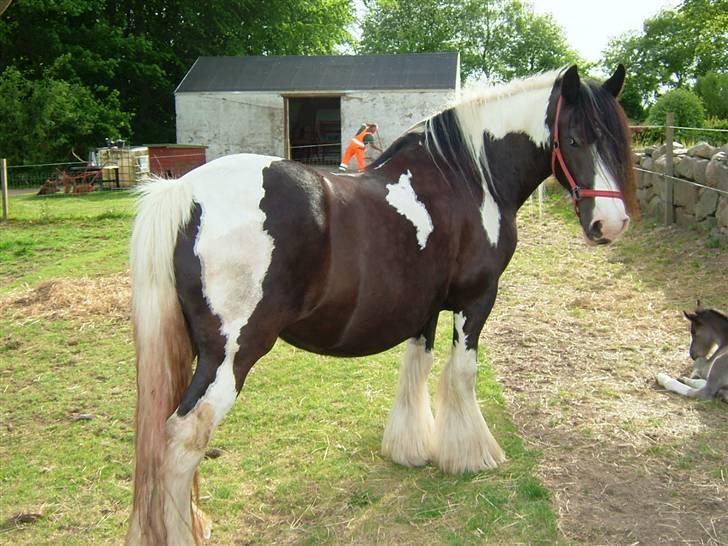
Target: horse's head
[591,155]
[707,327]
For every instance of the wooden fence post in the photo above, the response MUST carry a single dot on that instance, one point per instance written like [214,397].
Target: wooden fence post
[669,136]
[4,186]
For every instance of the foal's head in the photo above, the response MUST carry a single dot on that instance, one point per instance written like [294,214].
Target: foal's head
[708,329]
[591,156]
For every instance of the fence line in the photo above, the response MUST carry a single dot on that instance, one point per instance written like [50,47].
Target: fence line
[689,182]
[46,164]
[298,146]
[678,127]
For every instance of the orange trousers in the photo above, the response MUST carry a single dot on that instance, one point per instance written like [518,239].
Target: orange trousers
[354,150]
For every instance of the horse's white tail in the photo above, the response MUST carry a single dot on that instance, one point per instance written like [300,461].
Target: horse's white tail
[163,349]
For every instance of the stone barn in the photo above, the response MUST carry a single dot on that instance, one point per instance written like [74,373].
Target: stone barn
[309,107]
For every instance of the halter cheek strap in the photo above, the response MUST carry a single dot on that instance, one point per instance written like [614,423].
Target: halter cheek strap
[577,192]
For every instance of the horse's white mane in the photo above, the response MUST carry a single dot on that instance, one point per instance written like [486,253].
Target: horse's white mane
[483,91]
[480,92]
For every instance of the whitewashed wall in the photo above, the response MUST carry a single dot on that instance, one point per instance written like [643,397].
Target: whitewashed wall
[231,123]
[394,111]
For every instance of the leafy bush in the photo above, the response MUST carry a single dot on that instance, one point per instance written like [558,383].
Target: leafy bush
[688,113]
[685,104]
[712,137]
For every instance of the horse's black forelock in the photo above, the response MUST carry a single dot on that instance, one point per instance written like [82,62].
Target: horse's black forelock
[602,119]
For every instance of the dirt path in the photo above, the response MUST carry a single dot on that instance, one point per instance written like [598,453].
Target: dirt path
[577,336]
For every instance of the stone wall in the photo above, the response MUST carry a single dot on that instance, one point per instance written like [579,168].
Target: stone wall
[704,164]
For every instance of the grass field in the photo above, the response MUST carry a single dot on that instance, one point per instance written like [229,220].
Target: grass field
[300,450]
[597,454]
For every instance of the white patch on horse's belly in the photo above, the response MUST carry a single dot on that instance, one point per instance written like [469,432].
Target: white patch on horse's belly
[403,198]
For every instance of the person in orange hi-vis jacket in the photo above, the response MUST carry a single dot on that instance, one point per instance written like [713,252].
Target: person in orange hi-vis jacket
[364,136]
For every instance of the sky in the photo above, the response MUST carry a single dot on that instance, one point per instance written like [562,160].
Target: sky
[589,24]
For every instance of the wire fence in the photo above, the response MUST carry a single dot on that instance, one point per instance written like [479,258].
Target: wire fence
[119,169]
[714,135]
[683,181]
[318,153]
[80,177]
[33,176]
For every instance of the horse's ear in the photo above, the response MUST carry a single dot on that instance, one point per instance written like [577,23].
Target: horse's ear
[699,307]
[615,84]
[570,84]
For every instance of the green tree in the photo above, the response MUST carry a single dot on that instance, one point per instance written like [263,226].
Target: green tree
[674,48]
[142,49]
[408,26]
[538,44]
[640,86]
[708,21]
[712,88]
[48,118]
[497,39]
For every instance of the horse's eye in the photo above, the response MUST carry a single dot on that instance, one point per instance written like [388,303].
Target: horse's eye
[572,141]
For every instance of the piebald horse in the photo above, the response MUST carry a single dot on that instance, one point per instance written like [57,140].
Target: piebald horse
[249,248]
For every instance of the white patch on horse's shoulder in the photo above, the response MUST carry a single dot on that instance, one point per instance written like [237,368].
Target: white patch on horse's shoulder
[235,253]
[403,198]
[490,215]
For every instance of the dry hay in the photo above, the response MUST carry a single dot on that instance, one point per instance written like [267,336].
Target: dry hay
[576,345]
[89,300]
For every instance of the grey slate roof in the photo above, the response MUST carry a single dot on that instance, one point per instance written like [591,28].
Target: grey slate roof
[322,73]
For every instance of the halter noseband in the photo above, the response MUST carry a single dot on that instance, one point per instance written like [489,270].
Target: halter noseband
[577,192]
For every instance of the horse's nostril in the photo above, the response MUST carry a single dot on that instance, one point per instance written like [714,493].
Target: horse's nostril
[595,230]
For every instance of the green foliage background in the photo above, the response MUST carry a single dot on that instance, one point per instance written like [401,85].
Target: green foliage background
[675,50]
[497,39]
[75,72]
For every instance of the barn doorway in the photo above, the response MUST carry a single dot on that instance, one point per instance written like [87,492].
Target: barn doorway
[314,129]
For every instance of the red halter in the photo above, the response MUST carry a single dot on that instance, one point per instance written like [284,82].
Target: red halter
[577,193]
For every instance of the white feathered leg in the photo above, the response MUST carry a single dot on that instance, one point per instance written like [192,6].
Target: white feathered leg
[463,442]
[408,435]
